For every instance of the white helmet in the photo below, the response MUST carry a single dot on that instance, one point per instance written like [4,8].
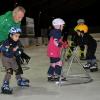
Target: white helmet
[58,21]
[80,21]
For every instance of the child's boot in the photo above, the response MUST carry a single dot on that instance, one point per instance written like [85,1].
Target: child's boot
[50,78]
[58,75]
[87,66]
[51,73]
[94,68]
[5,89]
[22,83]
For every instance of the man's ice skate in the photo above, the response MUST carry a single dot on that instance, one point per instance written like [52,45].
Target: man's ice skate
[5,89]
[22,83]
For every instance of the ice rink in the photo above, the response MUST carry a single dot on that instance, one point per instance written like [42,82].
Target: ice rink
[41,89]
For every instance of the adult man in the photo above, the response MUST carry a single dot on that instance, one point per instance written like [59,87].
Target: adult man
[9,19]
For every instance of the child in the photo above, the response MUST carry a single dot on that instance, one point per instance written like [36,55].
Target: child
[10,49]
[54,50]
[82,47]
[85,39]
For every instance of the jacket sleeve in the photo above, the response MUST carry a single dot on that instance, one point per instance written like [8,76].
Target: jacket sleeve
[4,48]
[3,18]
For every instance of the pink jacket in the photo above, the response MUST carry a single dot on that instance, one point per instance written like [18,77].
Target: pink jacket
[53,50]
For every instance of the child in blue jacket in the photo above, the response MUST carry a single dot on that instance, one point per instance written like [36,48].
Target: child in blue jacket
[10,50]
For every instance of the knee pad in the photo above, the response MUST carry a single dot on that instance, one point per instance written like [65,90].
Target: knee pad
[10,71]
[59,63]
[53,65]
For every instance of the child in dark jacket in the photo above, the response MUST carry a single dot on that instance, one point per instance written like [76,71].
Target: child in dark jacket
[85,39]
[10,49]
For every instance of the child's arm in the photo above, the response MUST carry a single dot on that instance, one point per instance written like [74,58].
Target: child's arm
[57,43]
[4,48]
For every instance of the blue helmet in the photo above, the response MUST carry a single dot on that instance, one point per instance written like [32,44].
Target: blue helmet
[14,30]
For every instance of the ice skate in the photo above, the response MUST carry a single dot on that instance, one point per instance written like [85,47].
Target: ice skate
[94,68]
[22,83]
[5,89]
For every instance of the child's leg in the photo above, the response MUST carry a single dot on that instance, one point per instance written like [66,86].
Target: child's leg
[19,71]
[20,80]
[91,57]
[51,72]
[82,48]
[9,71]
[58,69]
[94,66]
[5,87]
[51,69]
[8,74]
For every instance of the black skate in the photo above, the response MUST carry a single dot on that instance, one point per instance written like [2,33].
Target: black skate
[87,66]
[6,91]
[50,78]
[94,68]
[60,78]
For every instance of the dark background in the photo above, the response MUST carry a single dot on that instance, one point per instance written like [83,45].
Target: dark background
[43,11]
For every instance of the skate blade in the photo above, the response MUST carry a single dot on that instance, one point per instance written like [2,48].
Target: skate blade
[59,83]
[94,70]
[24,86]
[6,92]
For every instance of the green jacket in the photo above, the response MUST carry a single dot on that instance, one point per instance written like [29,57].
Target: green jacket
[6,22]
